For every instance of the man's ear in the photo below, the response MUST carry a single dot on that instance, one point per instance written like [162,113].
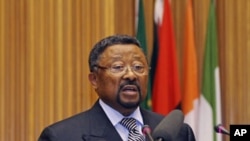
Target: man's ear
[93,79]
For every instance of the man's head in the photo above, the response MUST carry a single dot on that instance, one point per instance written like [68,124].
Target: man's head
[119,72]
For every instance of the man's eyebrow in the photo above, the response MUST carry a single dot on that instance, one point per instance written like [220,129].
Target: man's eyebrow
[116,57]
[139,57]
[113,56]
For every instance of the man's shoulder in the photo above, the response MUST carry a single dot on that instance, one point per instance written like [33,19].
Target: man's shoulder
[70,128]
[74,121]
[78,120]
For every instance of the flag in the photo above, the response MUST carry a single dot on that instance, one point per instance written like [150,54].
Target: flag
[210,101]
[190,95]
[166,87]
[141,36]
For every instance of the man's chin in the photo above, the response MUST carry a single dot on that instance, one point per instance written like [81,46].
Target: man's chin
[130,105]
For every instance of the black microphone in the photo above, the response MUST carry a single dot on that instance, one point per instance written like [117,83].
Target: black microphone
[147,131]
[169,127]
[220,129]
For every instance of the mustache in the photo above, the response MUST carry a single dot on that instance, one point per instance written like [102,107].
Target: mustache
[130,83]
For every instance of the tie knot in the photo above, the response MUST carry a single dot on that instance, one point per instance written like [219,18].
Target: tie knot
[129,123]
[134,134]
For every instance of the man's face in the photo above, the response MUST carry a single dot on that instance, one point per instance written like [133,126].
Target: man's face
[122,90]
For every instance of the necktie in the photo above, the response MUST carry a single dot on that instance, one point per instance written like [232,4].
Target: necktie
[134,134]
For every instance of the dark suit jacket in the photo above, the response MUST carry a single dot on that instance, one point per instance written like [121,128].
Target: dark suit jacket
[94,125]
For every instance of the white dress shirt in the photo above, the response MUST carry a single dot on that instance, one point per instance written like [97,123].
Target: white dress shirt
[115,117]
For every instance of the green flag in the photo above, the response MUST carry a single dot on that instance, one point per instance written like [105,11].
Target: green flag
[210,109]
[141,36]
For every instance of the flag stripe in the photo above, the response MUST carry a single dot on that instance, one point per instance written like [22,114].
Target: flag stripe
[190,91]
[190,76]
[166,87]
[141,36]
[210,99]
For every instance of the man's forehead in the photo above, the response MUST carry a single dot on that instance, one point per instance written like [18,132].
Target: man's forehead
[123,49]
[120,52]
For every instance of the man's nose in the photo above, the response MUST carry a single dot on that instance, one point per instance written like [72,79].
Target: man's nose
[129,74]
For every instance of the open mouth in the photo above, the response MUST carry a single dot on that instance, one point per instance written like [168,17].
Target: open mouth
[130,89]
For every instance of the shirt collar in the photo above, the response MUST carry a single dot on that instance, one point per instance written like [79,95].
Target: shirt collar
[115,117]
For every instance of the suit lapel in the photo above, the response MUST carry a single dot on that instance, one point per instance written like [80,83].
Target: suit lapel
[102,129]
[150,119]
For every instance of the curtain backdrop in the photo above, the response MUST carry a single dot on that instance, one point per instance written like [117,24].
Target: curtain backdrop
[44,48]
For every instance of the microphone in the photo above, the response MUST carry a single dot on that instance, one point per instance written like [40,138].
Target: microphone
[220,129]
[147,131]
[169,127]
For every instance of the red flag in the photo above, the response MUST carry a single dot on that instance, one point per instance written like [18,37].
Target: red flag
[166,87]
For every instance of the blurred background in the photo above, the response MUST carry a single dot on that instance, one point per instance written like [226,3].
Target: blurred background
[44,48]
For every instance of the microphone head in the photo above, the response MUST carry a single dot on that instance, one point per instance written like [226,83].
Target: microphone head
[220,129]
[169,127]
[146,130]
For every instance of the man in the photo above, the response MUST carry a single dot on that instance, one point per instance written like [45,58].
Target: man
[119,74]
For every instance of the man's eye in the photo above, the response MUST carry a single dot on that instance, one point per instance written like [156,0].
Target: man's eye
[138,67]
[117,68]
